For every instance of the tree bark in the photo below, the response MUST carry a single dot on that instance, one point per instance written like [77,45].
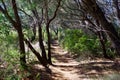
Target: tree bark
[95,11]
[48,21]
[17,25]
[42,60]
[39,22]
[100,35]
[48,33]
[41,42]
[117,8]
[22,46]
[49,45]
[20,34]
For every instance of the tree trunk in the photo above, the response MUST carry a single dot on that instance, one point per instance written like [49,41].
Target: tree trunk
[116,2]
[42,60]
[18,27]
[22,47]
[49,42]
[48,21]
[100,35]
[110,30]
[41,42]
[95,11]
[39,22]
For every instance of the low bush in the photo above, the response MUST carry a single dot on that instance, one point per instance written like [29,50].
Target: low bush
[9,56]
[78,42]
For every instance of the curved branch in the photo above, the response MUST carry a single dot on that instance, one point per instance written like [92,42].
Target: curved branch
[55,13]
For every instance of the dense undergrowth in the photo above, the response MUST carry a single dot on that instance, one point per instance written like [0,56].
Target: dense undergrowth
[9,55]
[73,40]
[78,42]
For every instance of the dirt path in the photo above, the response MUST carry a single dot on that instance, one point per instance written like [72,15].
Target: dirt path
[67,68]
[64,63]
[83,70]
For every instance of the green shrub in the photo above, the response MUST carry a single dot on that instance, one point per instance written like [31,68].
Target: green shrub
[76,41]
[9,56]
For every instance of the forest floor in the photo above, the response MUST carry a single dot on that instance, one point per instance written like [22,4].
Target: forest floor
[67,68]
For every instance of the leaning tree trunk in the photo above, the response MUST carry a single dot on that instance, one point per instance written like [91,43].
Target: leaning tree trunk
[100,35]
[95,11]
[110,30]
[41,42]
[102,41]
[43,61]
[18,27]
[22,46]
[116,2]
[39,22]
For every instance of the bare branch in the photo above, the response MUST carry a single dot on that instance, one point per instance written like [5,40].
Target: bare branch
[25,13]
[2,10]
[4,5]
[55,13]
[16,12]
[5,12]
[117,8]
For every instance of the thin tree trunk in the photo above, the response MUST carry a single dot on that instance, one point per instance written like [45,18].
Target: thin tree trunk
[20,33]
[49,47]
[22,47]
[39,22]
[100,35]
[17,25]
[48,21]
[41,42]
[42,60]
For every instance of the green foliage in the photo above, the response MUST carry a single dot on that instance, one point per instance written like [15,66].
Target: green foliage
[44,32]
[28,33]
[78,42]
[110,52]
[38,76]
[9,55]
[53,35]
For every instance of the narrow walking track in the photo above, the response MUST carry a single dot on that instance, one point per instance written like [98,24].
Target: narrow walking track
[83,70]
[67,68]
[65,64]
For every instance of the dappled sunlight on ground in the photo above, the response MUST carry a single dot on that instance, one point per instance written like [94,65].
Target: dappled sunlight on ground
[83,70]
[68,68]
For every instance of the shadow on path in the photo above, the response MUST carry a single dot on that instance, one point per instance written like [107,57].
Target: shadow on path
[74,70]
